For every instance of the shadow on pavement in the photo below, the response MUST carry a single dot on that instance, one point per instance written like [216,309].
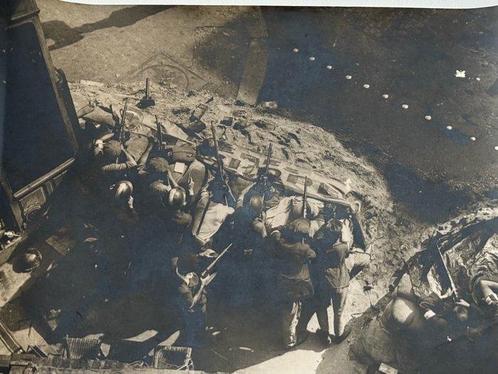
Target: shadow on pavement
[63,35]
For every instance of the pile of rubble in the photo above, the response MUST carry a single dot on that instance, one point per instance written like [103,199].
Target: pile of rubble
[393,234]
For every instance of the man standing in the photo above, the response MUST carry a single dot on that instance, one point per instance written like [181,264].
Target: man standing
[247,268]
[292,255]
[331,280]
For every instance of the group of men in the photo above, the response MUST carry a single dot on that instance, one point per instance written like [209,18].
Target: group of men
[287,249]
[307,251]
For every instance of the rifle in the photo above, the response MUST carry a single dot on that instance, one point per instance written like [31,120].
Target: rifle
[208,275]
[267,164]
[305,196]
[264,176]
[159,133]
[211,266]
[449,278]
[120,130]
[221,170]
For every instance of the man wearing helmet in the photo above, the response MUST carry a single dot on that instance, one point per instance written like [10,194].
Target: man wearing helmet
[115,162]
[191,298]
[249,266]
[168,198]
[292,255]
[331,280]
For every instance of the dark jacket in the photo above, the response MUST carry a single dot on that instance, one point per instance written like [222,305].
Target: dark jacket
[330,267]
[293,274]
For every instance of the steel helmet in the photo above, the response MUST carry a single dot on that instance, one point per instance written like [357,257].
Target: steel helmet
[256,203]
[158,165]
[112,149]
[28,261]
[300,226]
[122,191]
[176,197]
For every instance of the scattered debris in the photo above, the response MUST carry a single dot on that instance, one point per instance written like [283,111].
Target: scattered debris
[246,349]
[227,121]
[264,124]
[295,137]
[147,100]
[90,83]
[460,73]
[270,105]
[367,287]
[180,110]
[239,113]
[240,123]
[198,112]
[386,369]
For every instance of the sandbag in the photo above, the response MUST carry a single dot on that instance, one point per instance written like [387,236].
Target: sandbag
[375,344]
[182,153]
[279,215]
[208,218]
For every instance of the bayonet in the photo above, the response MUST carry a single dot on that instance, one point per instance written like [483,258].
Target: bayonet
[122,123]
[159,133]
[449,278]
[211,266]
[305,196]
[221,170]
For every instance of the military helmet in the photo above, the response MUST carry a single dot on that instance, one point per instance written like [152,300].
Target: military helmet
[28,261]
[300,226]
[334,224]
[112,149]
[176,197]
[122,191]
[256,203]
[158,165]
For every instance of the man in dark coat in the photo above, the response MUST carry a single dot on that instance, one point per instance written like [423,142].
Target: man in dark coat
[331,280]
[246,270]
[292,255]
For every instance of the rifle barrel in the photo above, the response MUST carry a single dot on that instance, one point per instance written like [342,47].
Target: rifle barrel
[215,261]
[305,195]
[456,295]
[221,170]
[159,133]
[268,159]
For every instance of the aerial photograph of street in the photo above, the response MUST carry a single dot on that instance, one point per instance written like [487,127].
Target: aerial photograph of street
[248,189]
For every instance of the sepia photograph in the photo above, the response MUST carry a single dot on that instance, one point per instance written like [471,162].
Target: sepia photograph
[248,189]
